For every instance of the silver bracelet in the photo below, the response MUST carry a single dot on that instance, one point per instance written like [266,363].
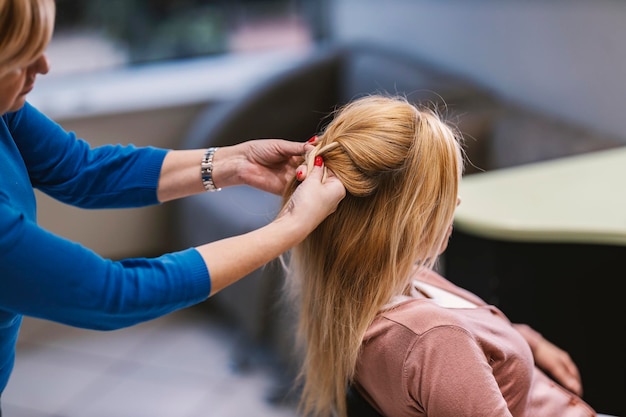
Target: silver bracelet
[206,170]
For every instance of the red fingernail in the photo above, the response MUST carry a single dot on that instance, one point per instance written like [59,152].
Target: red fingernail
[318,161]
[313,139]
[299,175]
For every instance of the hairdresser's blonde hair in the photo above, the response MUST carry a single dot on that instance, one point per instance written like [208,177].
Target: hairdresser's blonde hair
[26,28]
[401,166]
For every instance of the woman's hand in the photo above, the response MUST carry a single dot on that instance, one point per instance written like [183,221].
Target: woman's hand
[266,164]
[315,198]
[558,363]
[552,359]
[230,259]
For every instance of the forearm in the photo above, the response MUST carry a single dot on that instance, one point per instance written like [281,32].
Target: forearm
[265,164]
[47,276]
[230,259]
[227,262]
[180,175]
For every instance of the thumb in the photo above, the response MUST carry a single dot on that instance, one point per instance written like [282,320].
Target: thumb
[302,172]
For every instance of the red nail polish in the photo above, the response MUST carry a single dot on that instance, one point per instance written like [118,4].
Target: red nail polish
[299,175]
[313,139]
[318,161]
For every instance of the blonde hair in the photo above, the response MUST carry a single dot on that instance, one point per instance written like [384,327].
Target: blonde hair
[401,166]
[26,28]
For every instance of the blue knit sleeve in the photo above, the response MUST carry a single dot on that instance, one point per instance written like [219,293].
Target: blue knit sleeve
[68,169]
[49,277]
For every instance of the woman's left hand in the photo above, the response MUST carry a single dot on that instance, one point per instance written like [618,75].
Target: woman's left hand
[552,359]
[558,363]
[266,164]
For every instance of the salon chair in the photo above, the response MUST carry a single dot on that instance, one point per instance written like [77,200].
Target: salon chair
[358,406]
[293,105]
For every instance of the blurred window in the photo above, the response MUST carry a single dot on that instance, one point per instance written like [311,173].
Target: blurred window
[100,34]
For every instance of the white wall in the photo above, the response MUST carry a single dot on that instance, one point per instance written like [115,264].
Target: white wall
[563,57]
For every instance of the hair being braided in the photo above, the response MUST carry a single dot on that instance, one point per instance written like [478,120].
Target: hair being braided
[400,165]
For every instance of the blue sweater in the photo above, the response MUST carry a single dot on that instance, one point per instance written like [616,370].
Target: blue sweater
[46,276]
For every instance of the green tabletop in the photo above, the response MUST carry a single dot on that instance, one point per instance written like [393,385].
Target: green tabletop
[578,199]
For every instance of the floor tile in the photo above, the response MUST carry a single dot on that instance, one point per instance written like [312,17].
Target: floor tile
[180,365]
[41,382]
[114,344]
[135,396]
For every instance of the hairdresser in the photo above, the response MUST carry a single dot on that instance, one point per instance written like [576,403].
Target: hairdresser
[46,276]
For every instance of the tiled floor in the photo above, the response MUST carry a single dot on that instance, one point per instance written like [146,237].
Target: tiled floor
[180,365]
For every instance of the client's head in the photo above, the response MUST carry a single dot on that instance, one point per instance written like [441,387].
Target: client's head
[401,165]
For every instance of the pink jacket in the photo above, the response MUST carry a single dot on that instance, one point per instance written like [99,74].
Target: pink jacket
[421,359]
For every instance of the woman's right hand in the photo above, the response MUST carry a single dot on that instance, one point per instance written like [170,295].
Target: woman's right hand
[230,259]
[315,198]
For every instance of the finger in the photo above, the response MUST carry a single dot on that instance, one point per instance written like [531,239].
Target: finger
[317,171]
[568,377]
[573,385]
[289,148]
[575,382]
[301,172]
[310,144]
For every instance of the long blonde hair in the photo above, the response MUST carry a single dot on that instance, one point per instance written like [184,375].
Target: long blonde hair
[401,166]
[26,28]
